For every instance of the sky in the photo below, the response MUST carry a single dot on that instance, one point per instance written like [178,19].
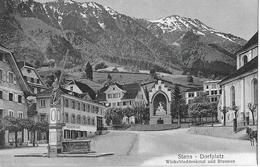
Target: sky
[238,17]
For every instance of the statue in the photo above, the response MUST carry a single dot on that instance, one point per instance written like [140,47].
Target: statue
[160,110]
[56,92]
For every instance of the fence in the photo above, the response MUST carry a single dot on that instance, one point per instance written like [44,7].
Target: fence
[197,120]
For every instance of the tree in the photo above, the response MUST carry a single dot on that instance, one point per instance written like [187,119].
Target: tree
[142,114]
[100,66]
[189,78]
[43,126]
[224,110]
[153,73]
[177,102]
[235,108]
[252,108]
[114,116]
[89,71]
[13,125]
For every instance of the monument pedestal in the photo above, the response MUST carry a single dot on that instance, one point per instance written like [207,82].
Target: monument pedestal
[55,133]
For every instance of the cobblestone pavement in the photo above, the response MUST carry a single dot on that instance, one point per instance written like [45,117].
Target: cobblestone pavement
[138,148]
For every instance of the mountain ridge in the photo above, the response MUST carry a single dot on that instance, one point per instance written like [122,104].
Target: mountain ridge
[94,33]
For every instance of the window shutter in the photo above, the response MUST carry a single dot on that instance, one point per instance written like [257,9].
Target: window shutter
[7,76]
[14,79]
[4,76]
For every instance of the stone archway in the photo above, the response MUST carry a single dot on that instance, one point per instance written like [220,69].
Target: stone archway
[160,103]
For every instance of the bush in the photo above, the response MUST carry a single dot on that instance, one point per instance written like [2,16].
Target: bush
[100,66]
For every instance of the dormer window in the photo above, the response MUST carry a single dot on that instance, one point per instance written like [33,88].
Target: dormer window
[71,88]
[245,60]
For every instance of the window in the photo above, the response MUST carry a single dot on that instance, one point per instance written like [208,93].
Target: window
[11,96]
[73,119]
[232,95]
[20,114]
[245,60]
[1,94]
[88,119]
[19,99]
[78,105]
[207,92]
[42,103]
[124,103]
[207,86]
[66,117]
[214,92]
[73,104]
[38,81]
[114,104]
[84,120]
[66,103]
[220,91]
[32,80]
[29,70]
[1,56]
[109,96]
[71,88]
[43,117]
[214,86]
[214,99]
[190,94]
[11,77]
[10,113]
[255,91]
[1,75]
[78,119]
[84,107]
[93,121]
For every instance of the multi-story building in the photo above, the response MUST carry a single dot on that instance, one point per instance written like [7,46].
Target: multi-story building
[32,77]
[192,93]
[116,95]
[13,93]
[240,88]
[212,90]
[81,116]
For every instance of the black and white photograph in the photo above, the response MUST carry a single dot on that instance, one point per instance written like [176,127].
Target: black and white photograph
[128,83]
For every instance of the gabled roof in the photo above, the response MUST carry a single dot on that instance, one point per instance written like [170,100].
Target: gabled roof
[85,89]
[194,89]
[253,41]
[131,91]
[13,63]
[23,64]
[251,65]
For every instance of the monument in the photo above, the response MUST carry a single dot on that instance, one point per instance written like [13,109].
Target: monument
[55,127]
[160,99]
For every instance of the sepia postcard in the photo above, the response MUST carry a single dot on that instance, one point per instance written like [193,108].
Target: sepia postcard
[128,83]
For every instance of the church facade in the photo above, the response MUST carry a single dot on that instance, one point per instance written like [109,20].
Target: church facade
[240,88]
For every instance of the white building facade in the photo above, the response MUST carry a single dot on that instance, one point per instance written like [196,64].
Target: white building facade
[240,88]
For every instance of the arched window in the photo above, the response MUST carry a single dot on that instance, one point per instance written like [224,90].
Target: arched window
[84,122]
[254,91]
[245,60]
[232,95]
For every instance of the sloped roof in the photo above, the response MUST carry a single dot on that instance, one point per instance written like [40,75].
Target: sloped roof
[194,89]
[253,41]
[85,89]
[17,71]
[131,91]
[93,85]
[251,65]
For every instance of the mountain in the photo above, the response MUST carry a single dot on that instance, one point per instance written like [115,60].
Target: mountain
[201,47]
[92,32]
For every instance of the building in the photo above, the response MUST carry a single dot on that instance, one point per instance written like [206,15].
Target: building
[13,93]
[192,93]
[32,77]
[212,90]
[81,88]
[116,95]
[240,88]
[82,117]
